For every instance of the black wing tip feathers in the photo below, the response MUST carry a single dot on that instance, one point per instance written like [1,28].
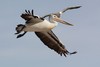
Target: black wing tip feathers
[78,6]
[65,53]
[75,7]
[73,52]
[29,14]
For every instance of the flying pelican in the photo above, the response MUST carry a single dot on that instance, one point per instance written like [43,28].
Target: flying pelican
[43,29]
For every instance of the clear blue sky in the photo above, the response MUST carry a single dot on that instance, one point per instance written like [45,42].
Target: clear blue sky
[29,51]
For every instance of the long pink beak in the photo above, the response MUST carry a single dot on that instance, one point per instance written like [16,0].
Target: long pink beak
[62,21]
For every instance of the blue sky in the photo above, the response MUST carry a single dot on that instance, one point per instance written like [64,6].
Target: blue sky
[29,51]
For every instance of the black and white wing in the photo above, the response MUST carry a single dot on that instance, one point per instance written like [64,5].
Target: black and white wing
[52,41]
[61,12]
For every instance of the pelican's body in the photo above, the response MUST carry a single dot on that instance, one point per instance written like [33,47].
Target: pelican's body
[45,25]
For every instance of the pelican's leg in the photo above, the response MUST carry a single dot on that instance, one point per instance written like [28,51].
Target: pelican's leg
[19,29]
[20,35]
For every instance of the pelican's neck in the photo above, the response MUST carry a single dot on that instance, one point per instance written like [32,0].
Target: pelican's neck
[54,23]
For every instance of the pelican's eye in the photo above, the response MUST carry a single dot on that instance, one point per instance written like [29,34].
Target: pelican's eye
[54,16]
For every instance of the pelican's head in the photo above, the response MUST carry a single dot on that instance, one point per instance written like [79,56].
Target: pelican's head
[56,18]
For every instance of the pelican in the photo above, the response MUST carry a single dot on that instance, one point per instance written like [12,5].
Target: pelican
[43,30]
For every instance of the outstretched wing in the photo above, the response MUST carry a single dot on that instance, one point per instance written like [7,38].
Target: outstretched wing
[70,8]
[30,17]
[61,12]
[51,40]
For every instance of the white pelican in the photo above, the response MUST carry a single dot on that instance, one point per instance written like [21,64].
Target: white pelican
[43,29]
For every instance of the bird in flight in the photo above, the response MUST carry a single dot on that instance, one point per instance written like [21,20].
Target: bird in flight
[43,29]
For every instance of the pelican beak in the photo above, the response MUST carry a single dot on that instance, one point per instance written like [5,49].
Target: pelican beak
[62,21]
